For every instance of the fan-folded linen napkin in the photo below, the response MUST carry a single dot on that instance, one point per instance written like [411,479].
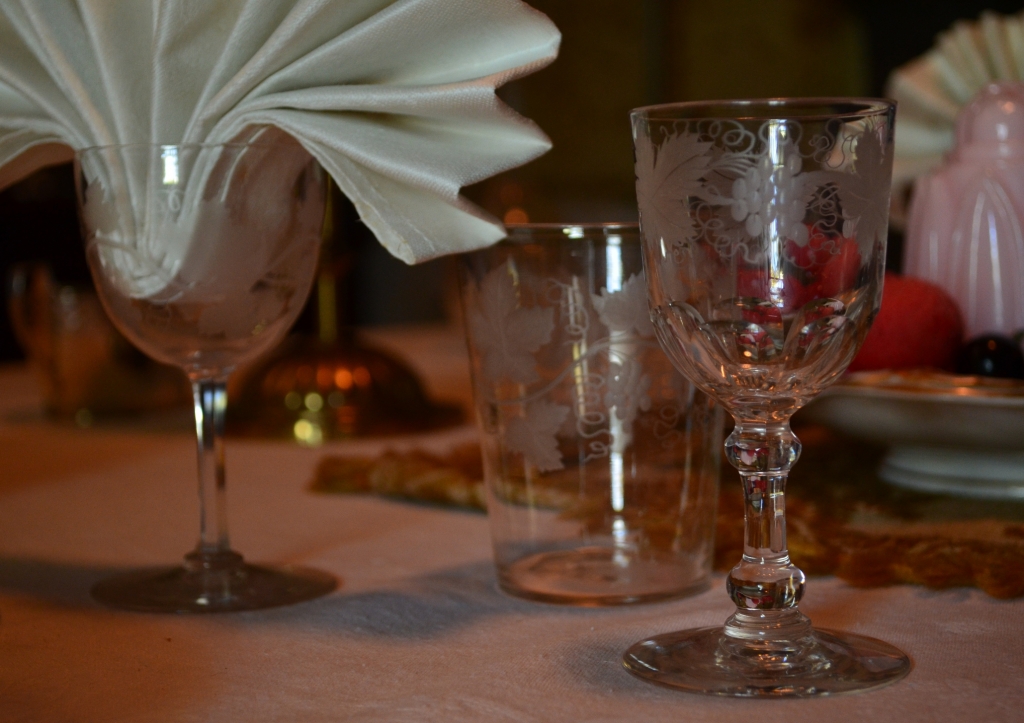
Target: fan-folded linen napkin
[395,98]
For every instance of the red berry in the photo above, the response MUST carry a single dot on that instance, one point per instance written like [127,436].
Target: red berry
[795,294]
[919,325]
[840,273]
[752,283]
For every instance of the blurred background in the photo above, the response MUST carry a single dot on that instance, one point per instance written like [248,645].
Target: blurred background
[616,55]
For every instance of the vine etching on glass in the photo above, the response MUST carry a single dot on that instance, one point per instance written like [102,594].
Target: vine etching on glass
[716,180]
[507,333]
[606,400]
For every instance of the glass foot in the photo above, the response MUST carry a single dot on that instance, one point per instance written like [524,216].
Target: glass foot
[594,576]
[824,662]
[212,584]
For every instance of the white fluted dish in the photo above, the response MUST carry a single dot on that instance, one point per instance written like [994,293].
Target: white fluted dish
[947,434]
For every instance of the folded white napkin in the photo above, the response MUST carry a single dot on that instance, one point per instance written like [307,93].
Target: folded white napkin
[395,98]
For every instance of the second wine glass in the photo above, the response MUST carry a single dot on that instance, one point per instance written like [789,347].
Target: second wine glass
[203,256]
[764,225]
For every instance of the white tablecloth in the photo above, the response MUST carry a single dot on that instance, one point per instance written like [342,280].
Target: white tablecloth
[417,632]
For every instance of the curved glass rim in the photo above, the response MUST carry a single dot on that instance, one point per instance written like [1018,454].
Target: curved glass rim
[569,231]
[590,226]
[767,109]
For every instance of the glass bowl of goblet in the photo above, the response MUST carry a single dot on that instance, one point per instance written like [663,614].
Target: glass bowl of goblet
[203,256]
[764,226]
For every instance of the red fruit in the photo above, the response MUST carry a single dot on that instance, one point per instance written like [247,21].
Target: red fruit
[802,256]
[819,250]
[752,283]
[795,294]
[919,325]
[840,273]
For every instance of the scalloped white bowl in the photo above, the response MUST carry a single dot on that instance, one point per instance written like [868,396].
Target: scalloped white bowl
[946,434]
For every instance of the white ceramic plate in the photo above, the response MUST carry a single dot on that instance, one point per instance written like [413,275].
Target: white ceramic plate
[948,434]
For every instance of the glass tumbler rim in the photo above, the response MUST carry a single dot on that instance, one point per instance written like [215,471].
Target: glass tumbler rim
[762,109]
[520,234]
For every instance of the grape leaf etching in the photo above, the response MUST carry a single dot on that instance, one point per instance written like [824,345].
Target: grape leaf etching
[533,435]
[685,183]
[666,178]
[626,310]
[506,333]
[628,389]
[865,218]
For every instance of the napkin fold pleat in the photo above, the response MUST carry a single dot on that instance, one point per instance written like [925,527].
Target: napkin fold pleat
[199,49]
[307,25]
[429,43]
[410,149]
[127,83]
[421,224]
[55,34]
[444,125]
[395,98]
[23,76]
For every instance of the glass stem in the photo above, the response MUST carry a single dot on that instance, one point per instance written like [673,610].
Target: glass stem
[210,397]
[765,586]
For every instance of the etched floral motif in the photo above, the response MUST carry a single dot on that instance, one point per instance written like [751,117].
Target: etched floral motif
[533,435]
[626,314]
[627,391]
[864,218]
[762,190]
[607,385]
[626,310]
[773,194]
[506,333]
[667,177]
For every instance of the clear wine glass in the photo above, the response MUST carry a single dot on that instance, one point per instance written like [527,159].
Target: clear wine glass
[764,226]
[203,256]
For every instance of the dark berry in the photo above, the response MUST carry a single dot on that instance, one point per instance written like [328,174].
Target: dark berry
[991,356]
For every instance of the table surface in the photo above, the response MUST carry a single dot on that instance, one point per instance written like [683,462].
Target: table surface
[418,631]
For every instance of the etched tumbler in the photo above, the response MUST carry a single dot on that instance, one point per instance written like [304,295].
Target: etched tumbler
[600,460]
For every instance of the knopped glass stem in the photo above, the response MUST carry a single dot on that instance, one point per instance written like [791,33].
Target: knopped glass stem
[765,586]
[214,549]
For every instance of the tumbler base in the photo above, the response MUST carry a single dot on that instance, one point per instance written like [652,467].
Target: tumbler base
[598,576]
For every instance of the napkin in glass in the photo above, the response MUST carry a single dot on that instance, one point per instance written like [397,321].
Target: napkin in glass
[394,98]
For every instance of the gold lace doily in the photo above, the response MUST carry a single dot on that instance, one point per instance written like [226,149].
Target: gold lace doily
[842,519]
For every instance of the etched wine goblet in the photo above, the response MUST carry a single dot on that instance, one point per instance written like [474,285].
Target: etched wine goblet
[203,256]
[764,226]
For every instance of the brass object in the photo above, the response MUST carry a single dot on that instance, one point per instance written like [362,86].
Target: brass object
[311,391]
[331,386]
[931,383]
